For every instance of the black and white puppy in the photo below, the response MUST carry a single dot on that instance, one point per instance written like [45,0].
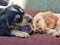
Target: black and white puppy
[10,16]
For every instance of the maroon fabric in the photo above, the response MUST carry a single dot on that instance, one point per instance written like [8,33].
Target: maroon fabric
[31,12]
[35,39]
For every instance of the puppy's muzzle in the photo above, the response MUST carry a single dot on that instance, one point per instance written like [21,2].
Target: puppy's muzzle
[27,18]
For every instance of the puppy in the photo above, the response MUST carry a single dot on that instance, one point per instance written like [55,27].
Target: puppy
[47,22]
[11,16]
[16,27]
[12,21]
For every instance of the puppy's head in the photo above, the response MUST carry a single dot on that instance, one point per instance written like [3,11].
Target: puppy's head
[15,13]
[26,20]
[22,15]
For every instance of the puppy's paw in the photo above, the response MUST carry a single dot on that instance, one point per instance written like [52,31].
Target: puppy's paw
[57,34]
[26,34]
[20,34]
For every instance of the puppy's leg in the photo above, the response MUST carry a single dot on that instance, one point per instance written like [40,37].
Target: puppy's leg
[19,33]
[57,29]
[56,33]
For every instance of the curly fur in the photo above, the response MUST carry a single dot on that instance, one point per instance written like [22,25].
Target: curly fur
[47,22]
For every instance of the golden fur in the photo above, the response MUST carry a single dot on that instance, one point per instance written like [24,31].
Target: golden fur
[47,22]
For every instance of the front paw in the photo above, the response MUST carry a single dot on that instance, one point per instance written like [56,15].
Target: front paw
[20,34]
[24,34]
[57,34]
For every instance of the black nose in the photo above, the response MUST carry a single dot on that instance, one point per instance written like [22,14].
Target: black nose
[30,20]
[39,31]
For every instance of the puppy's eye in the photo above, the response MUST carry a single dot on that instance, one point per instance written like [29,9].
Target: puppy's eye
[17,16]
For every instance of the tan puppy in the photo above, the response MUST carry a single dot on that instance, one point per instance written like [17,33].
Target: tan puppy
[47,22]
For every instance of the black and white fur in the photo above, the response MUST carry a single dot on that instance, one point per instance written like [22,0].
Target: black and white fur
[8,13]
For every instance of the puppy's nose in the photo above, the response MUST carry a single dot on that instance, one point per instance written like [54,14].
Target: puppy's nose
[30,20]
[39,31]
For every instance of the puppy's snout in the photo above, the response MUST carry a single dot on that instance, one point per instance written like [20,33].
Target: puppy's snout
[28,18]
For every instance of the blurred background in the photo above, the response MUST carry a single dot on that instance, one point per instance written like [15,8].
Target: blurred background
[41,5]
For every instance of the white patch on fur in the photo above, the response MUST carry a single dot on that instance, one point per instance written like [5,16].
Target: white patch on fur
[13,9]
[2,6]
